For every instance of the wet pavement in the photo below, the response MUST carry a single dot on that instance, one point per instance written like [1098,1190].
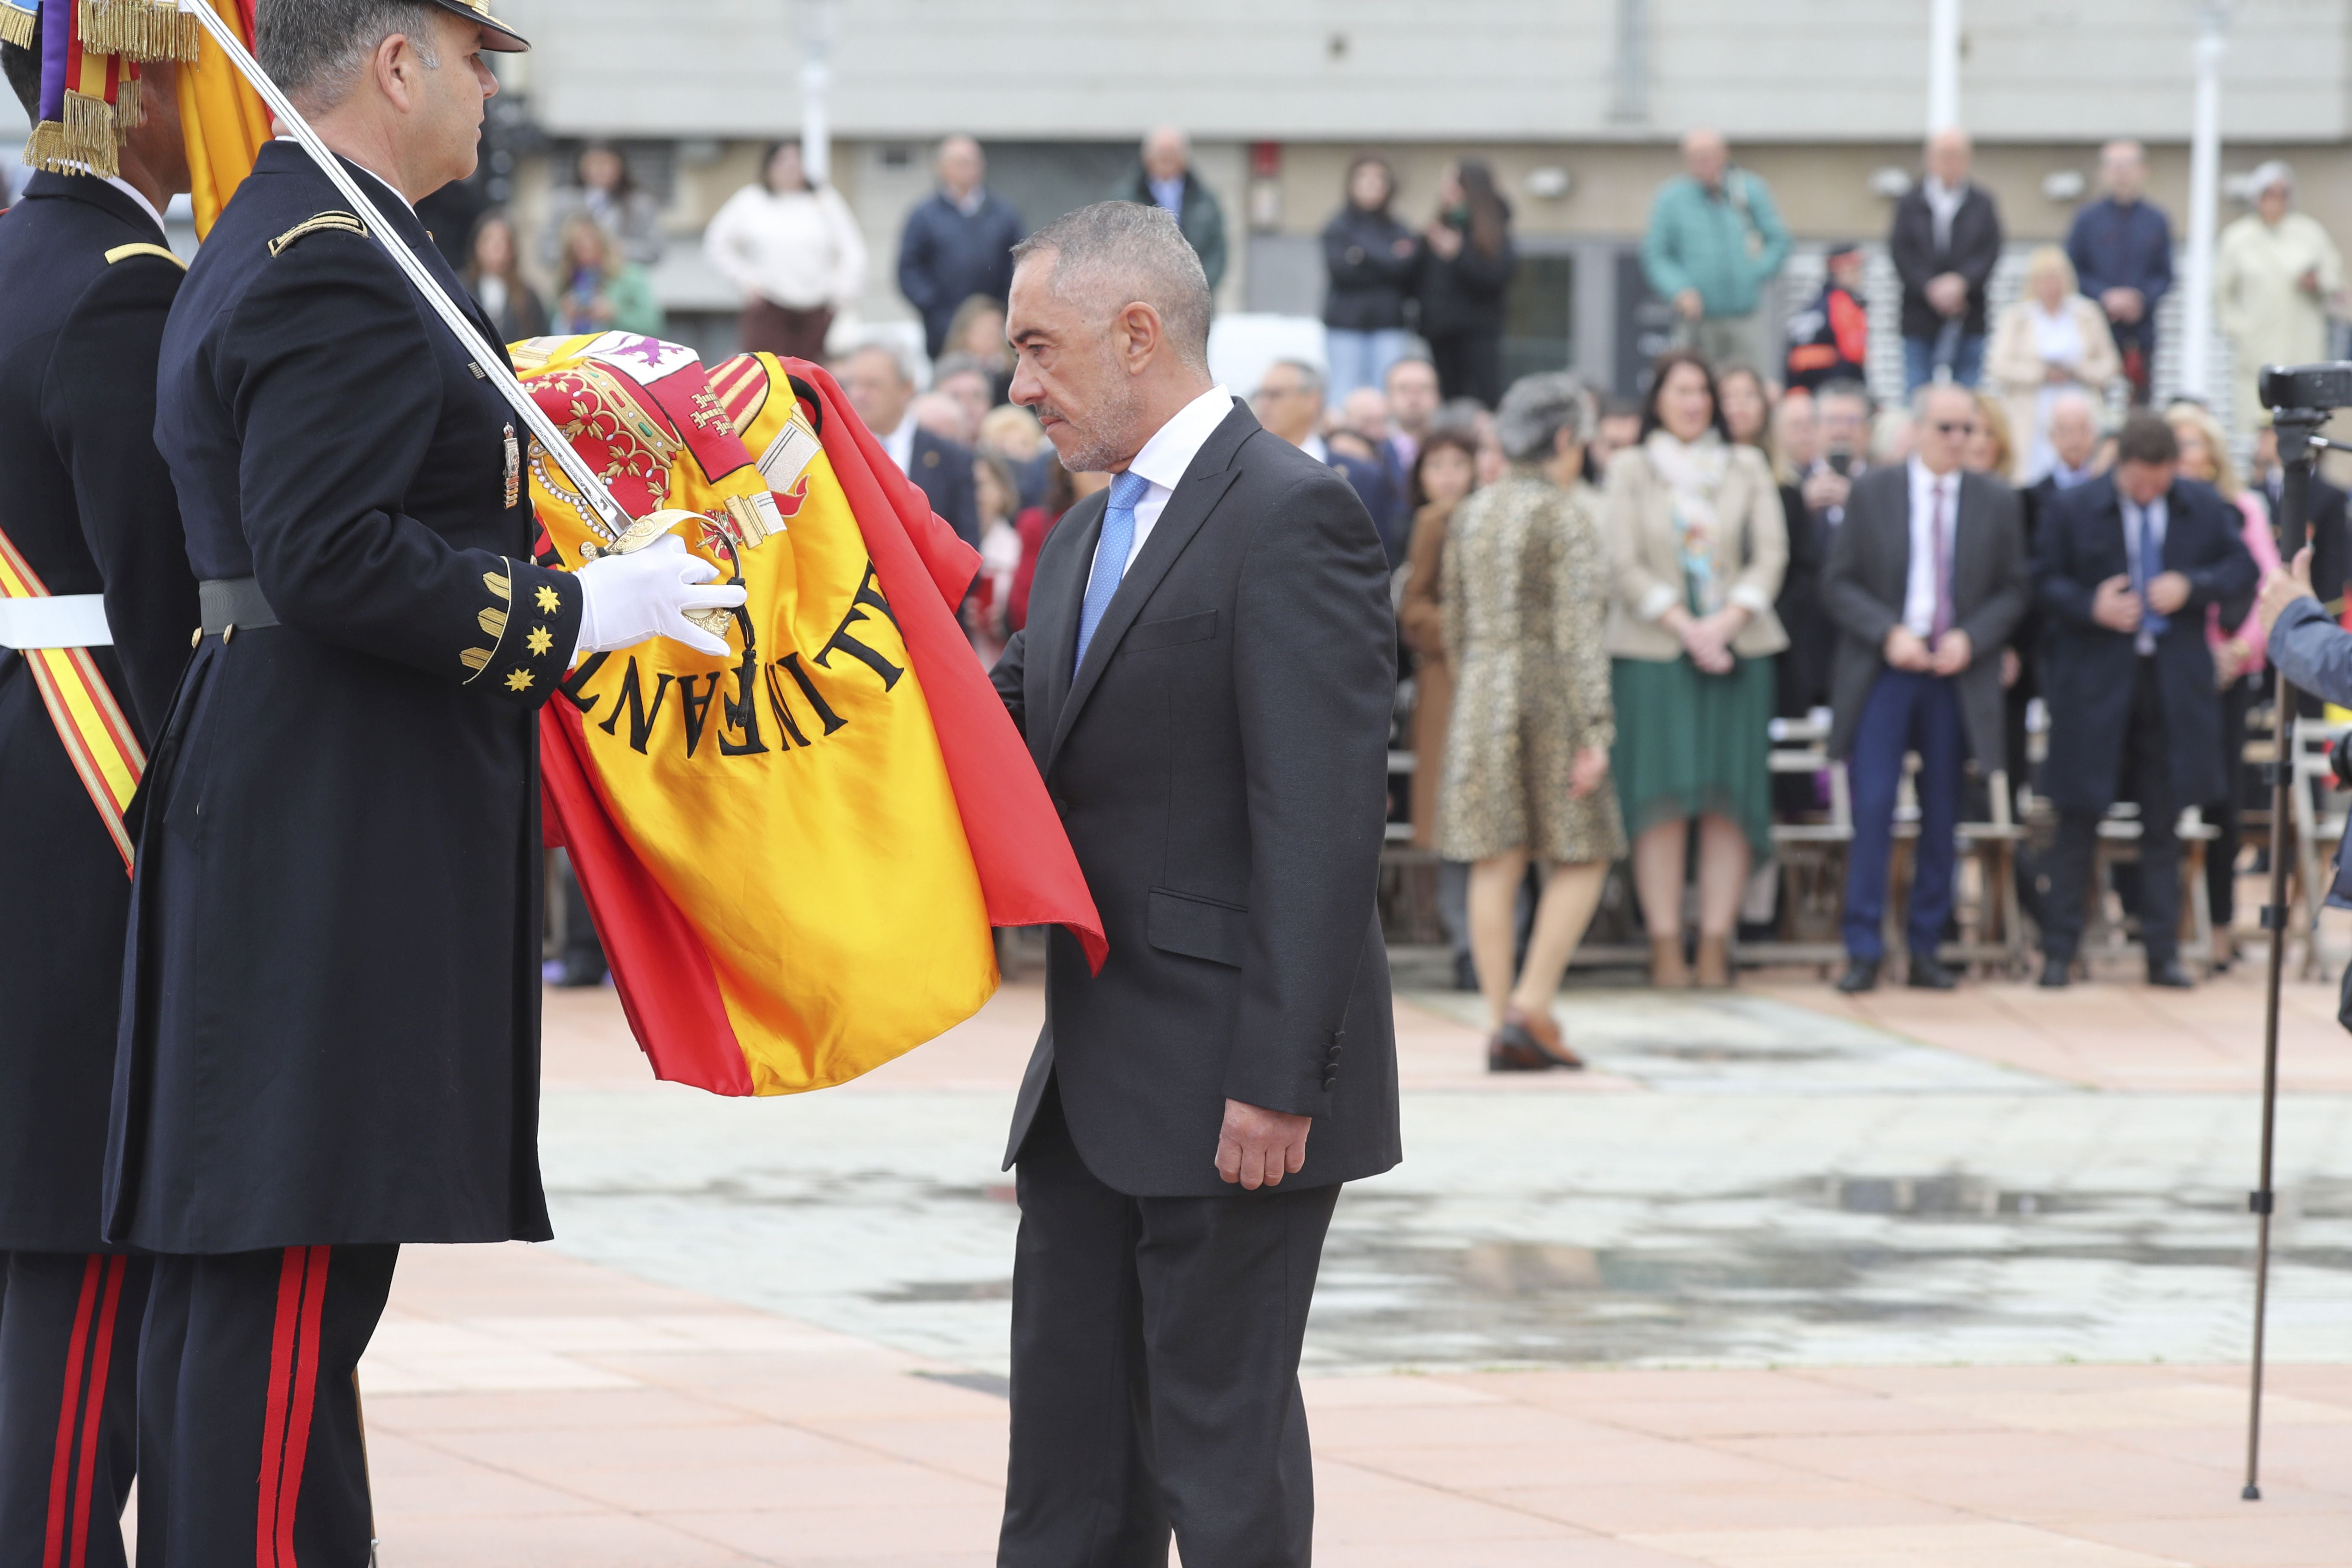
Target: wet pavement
[1768,1184]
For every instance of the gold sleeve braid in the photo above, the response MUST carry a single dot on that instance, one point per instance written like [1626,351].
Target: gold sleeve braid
[492,619]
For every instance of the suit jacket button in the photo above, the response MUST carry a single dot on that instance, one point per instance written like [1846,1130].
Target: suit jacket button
[1061,807]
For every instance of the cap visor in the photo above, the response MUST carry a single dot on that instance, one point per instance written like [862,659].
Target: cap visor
[500,39]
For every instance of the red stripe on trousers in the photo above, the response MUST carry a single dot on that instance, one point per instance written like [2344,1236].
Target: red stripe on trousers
[102,1355]
[68,1407]
[306,1390]
[290,1270]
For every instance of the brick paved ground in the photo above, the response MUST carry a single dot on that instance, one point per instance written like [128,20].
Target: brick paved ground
[1688,1309]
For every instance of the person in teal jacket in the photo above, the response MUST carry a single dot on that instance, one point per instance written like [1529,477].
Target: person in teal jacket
[1715,241]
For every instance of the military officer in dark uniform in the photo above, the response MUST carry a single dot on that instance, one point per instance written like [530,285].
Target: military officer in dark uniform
[86,511]
[330,1041]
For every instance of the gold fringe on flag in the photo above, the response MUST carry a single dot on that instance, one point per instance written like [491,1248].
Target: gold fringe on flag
[60,147]
[88,134]
[137,29]
[17,25]
[130,105]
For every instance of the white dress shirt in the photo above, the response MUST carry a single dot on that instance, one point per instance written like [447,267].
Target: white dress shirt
[1944,206]
[901,443]
[128,189]
[1165,457]
[355,163]
[2156,519]
[1919,587]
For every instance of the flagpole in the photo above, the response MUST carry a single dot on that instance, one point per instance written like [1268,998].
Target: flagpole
[489,358]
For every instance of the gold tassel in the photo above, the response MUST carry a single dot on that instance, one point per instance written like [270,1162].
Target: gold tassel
[46,150]
[16,26]
[90,133]
[129,106]
[137,29]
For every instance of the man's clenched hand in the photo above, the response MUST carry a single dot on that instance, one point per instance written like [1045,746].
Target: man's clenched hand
[1258,1147]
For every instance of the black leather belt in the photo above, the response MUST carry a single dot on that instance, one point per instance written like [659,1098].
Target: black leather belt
[232,604]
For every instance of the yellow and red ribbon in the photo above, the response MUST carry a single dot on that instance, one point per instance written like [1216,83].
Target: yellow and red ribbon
[99,740]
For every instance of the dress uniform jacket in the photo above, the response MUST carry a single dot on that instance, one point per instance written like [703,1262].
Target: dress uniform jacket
[330,1020]
[88,504]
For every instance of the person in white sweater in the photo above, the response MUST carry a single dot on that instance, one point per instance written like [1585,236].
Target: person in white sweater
[793,247]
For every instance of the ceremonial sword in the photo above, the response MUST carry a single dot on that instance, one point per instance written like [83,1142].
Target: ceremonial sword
[489,359]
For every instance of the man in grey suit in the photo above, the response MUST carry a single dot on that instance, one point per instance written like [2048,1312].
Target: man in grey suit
[1925,582]
[1204,683]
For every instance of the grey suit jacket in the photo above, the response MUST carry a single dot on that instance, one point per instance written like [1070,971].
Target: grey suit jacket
[1220,764]
[1863,588]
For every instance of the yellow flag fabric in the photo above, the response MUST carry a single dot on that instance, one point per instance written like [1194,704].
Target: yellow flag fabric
[223,121]
[790,801]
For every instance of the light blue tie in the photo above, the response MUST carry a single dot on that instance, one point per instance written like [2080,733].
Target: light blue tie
[1110,557]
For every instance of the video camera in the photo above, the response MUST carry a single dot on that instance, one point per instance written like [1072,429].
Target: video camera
[2320,387]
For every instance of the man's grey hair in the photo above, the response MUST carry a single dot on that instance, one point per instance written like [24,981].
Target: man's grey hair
[960,363]
[1845,387]
[316,49]
[902,359]
[2272,173]
[1310,375]
[1536,409]
[1929,390]
[2075,397]
[1114,254]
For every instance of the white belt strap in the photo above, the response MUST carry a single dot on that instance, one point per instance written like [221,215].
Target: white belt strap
[59,620]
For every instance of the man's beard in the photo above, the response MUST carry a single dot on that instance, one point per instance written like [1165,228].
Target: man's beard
[1104,438]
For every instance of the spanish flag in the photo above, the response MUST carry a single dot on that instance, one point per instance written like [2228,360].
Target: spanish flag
[793,855]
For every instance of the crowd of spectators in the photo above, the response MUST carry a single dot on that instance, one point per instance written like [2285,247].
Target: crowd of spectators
[1608,607]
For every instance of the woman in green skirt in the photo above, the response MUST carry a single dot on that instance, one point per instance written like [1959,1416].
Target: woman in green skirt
[1697,545]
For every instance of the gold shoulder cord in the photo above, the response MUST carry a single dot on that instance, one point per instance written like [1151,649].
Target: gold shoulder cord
[342,221]
[125,252]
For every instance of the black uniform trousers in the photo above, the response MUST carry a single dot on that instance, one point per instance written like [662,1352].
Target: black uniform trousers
[68,1404]
[250,1447]
[1155,1370]
[2147,779]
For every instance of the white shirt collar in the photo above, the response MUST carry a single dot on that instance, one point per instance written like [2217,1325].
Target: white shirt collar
[134,192]
[901,443]
[372,175]
[1174,445]
[1165,458]
[969,202]
[1922,477]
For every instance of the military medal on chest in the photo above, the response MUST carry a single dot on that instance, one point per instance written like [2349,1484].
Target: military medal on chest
[514,469]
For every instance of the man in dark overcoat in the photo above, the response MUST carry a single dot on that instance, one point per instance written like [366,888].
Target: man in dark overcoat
[2124,566]
[1205,682]
[330,1042]
[957,244]
[86,511]
[1926,579]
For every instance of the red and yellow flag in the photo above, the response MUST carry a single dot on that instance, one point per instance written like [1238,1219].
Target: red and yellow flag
[794,854]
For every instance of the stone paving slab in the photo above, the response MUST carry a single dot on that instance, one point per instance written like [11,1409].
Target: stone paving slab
[731,1437]
[1674,1228]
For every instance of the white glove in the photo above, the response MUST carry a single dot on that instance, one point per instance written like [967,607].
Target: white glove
[625,599]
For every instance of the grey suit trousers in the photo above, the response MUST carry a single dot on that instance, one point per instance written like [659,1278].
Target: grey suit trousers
[1155,1370]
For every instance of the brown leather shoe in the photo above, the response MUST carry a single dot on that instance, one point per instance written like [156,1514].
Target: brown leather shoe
[1505,1054]
[1542,1033]
[1667,970]
[1714,964]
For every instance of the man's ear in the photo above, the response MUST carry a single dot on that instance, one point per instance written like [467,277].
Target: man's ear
[396,69]
[1139,324]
